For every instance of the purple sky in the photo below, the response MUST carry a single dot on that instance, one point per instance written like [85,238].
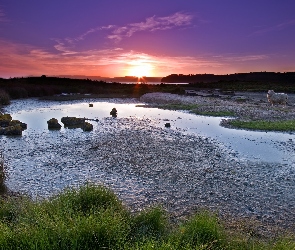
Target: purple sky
[152,38]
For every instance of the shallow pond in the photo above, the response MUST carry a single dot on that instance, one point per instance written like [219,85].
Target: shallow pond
[263,146]
[32,158]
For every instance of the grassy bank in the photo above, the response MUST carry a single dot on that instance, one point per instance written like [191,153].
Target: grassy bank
[93,218]
[193,108]
[262,125]
[283,126]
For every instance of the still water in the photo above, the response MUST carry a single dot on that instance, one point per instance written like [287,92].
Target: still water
[262,146]
[32,158]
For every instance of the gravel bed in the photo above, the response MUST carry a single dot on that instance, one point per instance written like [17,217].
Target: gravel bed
[187,173]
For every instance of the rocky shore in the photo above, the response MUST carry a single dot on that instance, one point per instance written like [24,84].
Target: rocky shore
[245,105]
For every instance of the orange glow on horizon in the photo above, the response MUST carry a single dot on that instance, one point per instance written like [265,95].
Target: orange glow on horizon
[140,67]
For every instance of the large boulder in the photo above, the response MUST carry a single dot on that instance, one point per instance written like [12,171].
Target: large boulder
[9,126]
[17,122]
[72,121]
[53,124]
[13,130]
[5,120]
[87,126]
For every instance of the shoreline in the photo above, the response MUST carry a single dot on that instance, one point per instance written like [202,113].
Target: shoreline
[244,105]
[146,165]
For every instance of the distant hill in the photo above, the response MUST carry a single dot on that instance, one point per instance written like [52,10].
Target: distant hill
[287,77]
[126,79]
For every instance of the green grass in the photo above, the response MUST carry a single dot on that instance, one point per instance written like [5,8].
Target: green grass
[214,113]
[193,108]
[283,126]
[92,217]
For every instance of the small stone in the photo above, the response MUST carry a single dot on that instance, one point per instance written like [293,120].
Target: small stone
[167,125]
[113,113]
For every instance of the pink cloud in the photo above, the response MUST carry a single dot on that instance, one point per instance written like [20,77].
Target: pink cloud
[152,24]
[23,60]
[276,27]
[3,17]
[117,33]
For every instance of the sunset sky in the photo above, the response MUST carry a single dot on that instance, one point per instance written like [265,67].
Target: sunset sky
[152,38]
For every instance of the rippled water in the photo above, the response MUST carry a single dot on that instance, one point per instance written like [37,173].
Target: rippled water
[49,157]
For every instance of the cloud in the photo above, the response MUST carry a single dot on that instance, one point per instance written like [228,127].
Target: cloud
[277,27]
[23,59]
[3,17]
[117,33]
[152,24]
[241,58]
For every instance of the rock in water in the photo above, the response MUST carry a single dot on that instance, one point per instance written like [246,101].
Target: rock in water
[114,112]
[53,124]
[87,126]
[72,121]
[167,125]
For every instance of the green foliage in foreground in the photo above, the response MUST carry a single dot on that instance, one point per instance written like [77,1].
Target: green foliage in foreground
[93,218]
[288,125]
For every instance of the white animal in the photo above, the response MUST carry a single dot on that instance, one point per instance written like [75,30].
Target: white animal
[273,98]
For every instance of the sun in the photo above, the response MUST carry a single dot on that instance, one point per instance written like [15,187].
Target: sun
[140,70]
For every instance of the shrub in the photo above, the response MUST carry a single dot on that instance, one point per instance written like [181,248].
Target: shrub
[86,199]
[150,223]
[201,230]
[4,98]
[18,92]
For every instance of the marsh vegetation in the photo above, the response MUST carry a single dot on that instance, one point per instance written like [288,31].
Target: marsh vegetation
[92,217]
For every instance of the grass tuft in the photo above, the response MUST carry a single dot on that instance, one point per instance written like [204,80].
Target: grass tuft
[201,231]
[150,223]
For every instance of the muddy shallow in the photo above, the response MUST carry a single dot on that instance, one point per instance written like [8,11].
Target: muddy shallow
[194,164]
